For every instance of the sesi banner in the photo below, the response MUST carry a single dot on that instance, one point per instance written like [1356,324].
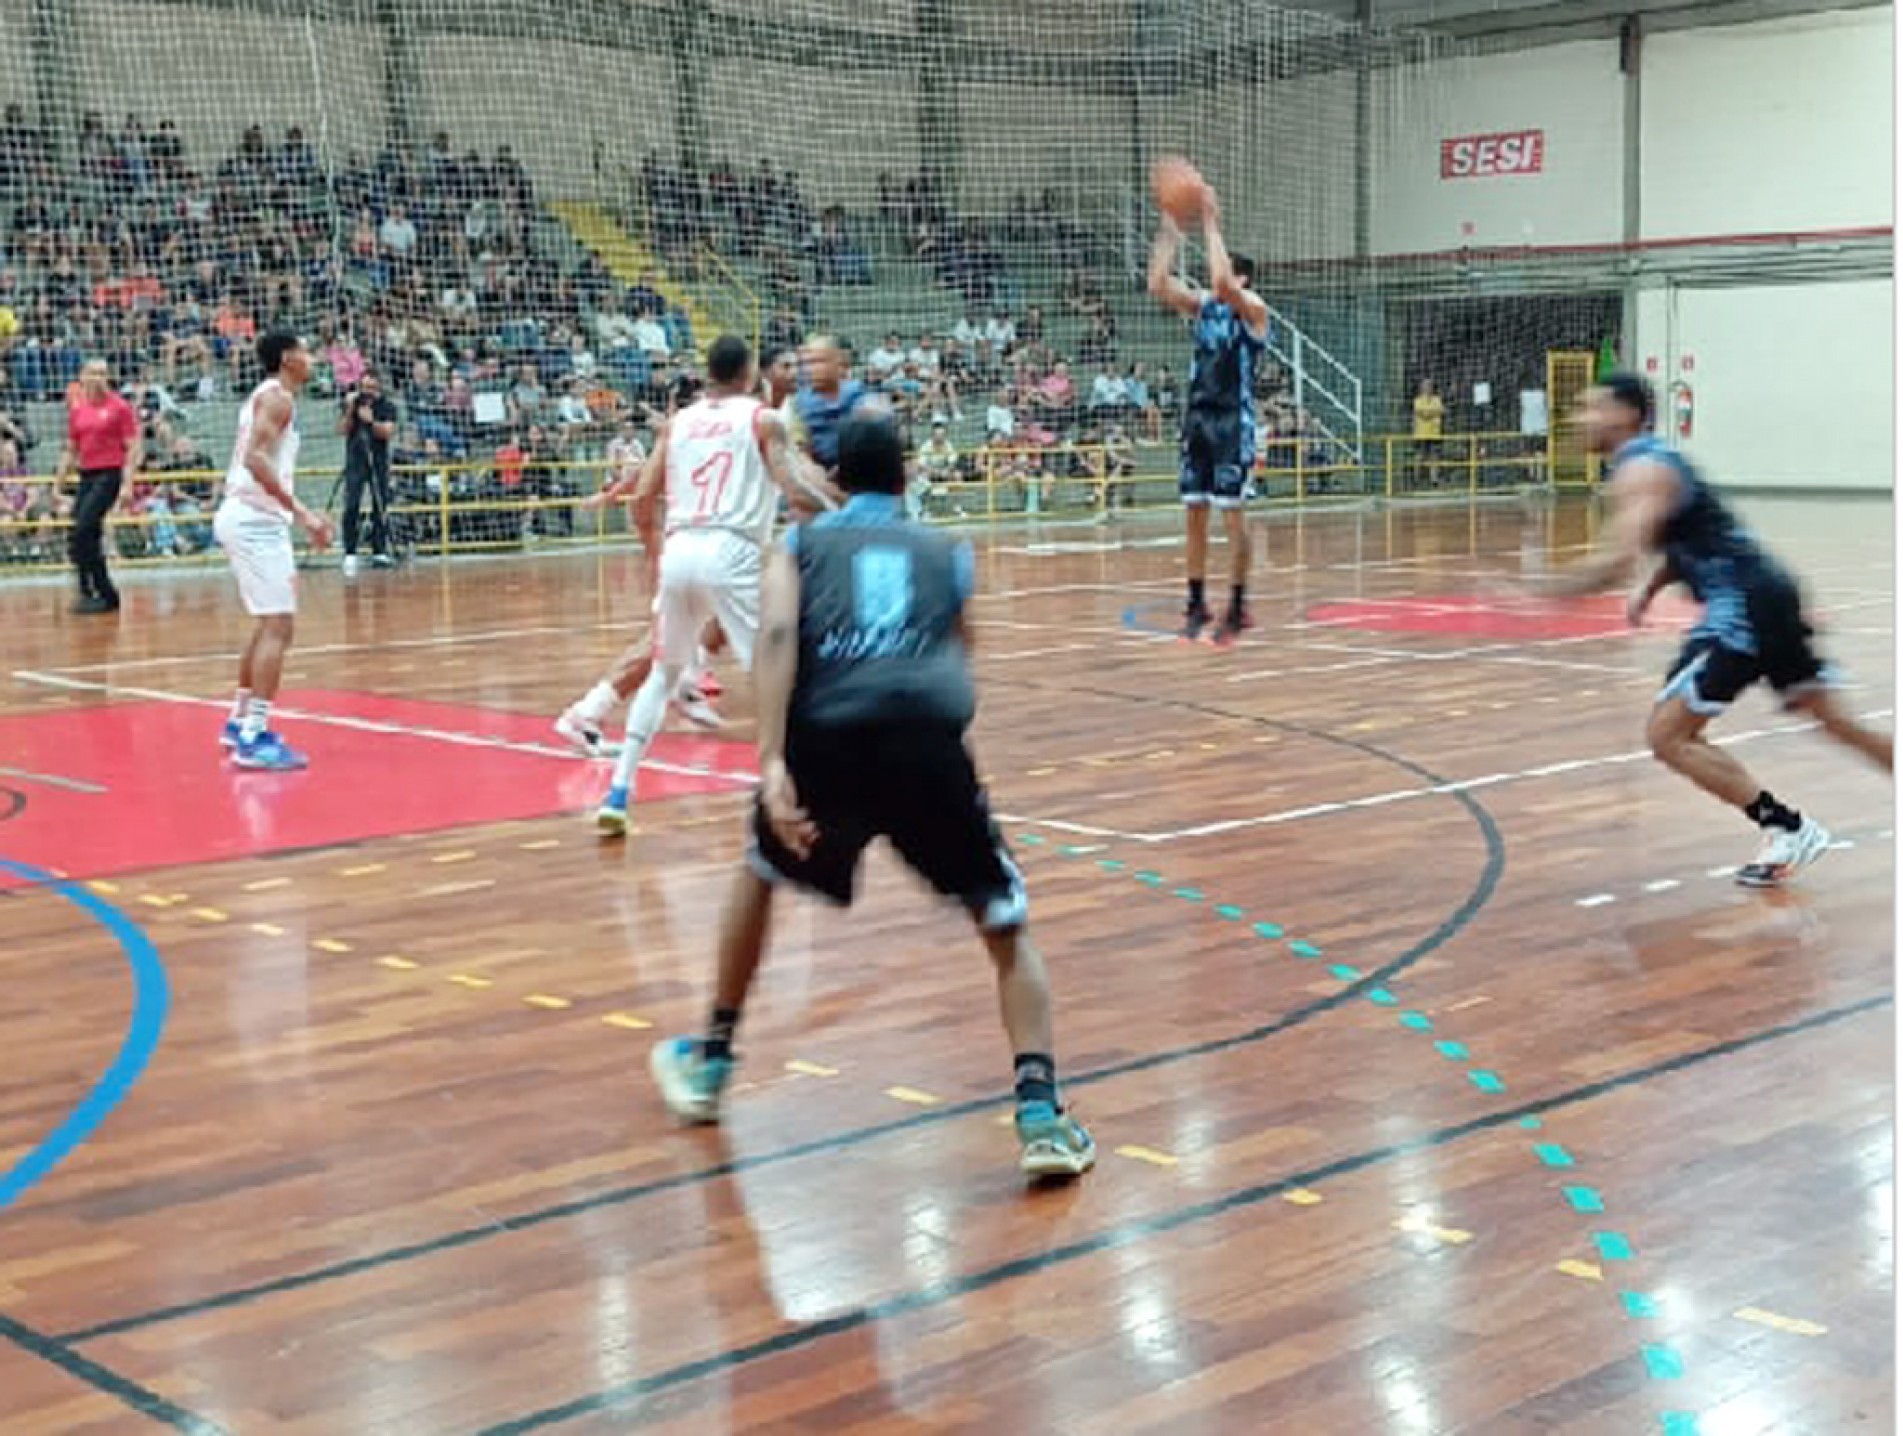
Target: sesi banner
[1516,152]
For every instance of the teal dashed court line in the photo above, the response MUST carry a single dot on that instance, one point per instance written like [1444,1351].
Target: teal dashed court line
[1662,1363]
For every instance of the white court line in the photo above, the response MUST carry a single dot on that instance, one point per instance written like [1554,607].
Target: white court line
[983,656]
[53,780]
[368,725]
[1262,820]
[1599,899]
[444,640]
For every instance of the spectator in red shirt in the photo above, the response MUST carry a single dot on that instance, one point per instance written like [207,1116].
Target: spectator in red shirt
[103,443]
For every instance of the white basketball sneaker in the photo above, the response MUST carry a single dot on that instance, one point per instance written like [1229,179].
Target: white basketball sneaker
[1783,852]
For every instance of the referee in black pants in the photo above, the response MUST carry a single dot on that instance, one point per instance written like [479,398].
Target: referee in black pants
[103,443]
[367,422]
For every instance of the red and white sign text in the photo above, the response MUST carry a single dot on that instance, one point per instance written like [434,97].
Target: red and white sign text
[1516,152]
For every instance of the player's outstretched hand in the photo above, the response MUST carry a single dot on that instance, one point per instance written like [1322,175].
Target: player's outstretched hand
[1636,603]
[789,820]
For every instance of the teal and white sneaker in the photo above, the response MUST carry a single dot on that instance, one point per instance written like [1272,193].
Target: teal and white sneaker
[690,1083]
[1053,1143]
[611,818]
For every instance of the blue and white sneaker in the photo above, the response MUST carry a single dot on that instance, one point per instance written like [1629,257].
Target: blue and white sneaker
[612,817]
[691,1084]
[268,753]
[1053,1143]
[233,734]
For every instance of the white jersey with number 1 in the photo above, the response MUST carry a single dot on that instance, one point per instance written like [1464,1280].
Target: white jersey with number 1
[716,473]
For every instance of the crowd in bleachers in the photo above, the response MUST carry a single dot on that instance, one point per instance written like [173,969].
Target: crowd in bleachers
[500,337]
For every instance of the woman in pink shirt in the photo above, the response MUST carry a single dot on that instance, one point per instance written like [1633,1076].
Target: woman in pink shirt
[103,444]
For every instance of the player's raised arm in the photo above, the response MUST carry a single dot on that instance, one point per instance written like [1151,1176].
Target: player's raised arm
[1225,283]
[1170,291]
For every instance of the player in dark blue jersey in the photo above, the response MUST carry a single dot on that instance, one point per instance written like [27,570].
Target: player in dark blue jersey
[1230,324]
[1668,526]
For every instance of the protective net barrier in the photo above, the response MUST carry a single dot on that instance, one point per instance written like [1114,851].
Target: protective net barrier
[529,219]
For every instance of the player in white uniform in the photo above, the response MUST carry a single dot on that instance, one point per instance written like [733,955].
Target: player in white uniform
[724,463]
[253,527]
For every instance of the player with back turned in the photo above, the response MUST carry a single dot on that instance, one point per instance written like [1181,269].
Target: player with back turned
[864,683]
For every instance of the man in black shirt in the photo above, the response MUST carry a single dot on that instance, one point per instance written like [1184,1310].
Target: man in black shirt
[367,422]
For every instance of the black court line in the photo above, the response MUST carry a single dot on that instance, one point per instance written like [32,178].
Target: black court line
[617,1397]
[1475,900]
[100,1378]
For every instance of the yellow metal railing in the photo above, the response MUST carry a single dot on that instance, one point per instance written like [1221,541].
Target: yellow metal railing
[730,301]
[446,509]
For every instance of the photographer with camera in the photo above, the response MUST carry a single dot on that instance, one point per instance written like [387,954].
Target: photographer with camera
[367,420]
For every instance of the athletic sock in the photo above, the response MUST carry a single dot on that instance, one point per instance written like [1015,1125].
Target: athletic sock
[1036,1078]
[1768,812]
[598,702]
[1196,604]
[239,704]
[645,716]
[720,1029]
[257,718]
[1236,596]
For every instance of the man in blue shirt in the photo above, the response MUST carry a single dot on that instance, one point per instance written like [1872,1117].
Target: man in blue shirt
[827,395]
[864,684]
[1668,525]
[1230,324]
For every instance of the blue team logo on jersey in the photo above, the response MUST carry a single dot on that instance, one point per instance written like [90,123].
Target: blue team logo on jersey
[882,591]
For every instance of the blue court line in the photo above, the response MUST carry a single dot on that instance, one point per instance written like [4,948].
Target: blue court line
[151,998]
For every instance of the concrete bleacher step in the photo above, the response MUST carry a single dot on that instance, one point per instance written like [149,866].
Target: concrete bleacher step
[629,260]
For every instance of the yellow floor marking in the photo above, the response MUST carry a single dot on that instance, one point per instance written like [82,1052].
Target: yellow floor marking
[811,1069]
[1589,693]
[397,964]
[541,845]
[543,999]
[154,900]
[1465,1003]
[210,914]
[1039,772]
[1147,1154]
[466,979]
[363,870]
[627,1020]
[912,1095]
[1268,738]
[462,855]
[1162,753]
[1456,712]
[1208,747]
[445,889]
[1007,1119]
[267,929]
[1796,1326]
[1365,725]
[266,884]
[1584,1270]
[330,944]
[1420,1226]
[99,886]
[1302,1197]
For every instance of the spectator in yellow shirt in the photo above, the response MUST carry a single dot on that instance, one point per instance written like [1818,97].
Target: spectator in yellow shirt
[1430,411]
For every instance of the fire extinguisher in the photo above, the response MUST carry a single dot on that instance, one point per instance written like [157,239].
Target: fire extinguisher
[1682,408]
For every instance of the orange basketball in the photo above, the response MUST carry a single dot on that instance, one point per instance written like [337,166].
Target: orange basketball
[1180,189]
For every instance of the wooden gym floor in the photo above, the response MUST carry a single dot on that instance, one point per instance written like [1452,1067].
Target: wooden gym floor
[1441,1083]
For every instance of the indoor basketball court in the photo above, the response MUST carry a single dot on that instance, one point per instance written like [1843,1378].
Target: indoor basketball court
[1443,1077]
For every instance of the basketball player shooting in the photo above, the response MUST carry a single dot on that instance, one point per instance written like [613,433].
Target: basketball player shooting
[1667,526]
[1230,325]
